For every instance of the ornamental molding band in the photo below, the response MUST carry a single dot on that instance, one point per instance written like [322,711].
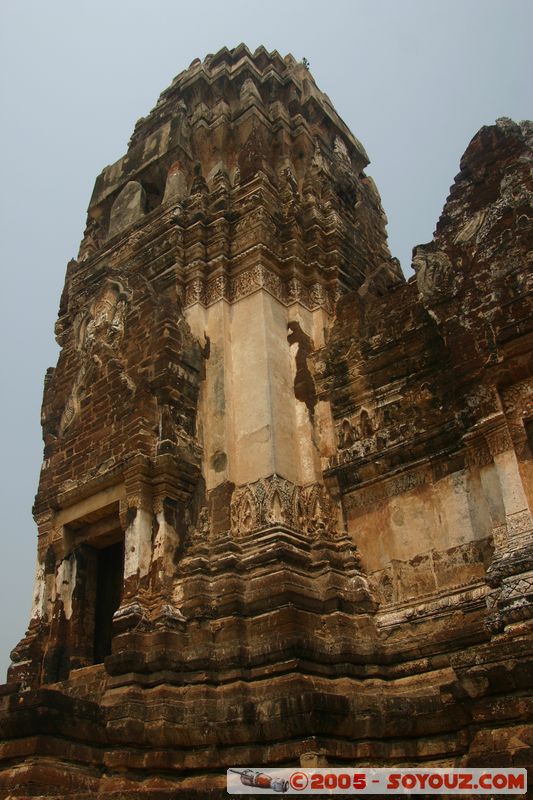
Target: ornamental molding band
[275,502]
[233,289]
[286,494]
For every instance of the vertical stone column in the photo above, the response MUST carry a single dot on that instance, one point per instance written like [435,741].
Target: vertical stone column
[489,447]
[137,522]
[170,523]
[27,656]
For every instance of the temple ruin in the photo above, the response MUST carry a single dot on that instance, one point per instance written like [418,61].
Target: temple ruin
[284,515]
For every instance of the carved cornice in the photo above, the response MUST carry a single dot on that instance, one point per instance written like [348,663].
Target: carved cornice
[378,491]
[234,288]
[517,401]
[488,438]
[477,453]
[70,492]
[499,440]
[443,605]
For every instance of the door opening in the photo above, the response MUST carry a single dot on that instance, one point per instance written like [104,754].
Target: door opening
[109,580]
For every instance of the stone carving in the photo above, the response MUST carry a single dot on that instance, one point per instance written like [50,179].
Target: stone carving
[392,616]
[471,227]
[365,425]
[374,495]
[347,434]
[288,190]
[500,537]
[104,321]
[510,603]
[251,280]
[516,587]
[433,271]
[202,526]
[517,401]
[355,429]
[175,430]
[520,526]
[318,163]
[498,440]
[478,453]
[276,501]
[245,515]
[72,405]
[199,183]
[340,150]
[97,334]
[319,511]
[489,438]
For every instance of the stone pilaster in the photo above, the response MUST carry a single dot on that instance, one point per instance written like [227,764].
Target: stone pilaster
[490,449]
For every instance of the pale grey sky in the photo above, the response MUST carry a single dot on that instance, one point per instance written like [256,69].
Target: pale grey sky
[413,79]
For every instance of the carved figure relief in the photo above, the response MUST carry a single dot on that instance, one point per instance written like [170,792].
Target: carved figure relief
[365,426]
[320,511]
[340,150]
[355,430]
[104,321]
[347,434]
[183,132]
[244,513]
[200,531]
[276,501]
[97,331]
[73,402]
[434,272]
[471,227]
[175,428]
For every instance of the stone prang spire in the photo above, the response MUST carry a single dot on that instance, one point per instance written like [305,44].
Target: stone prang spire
[284,514]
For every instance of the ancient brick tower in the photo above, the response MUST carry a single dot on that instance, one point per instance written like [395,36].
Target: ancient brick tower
[285,507]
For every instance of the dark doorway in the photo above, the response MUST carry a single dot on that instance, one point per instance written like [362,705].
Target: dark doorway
[109,580]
